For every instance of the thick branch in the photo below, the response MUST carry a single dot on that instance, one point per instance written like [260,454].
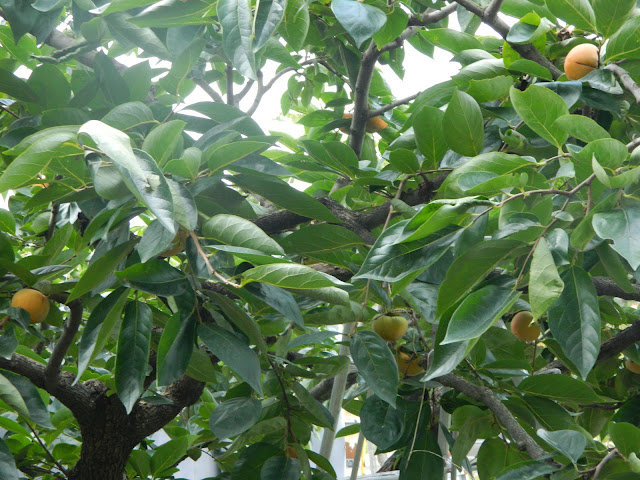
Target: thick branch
[149,418]
[504,416]
[78,398]
[626,80]
[64,342]
[361,98]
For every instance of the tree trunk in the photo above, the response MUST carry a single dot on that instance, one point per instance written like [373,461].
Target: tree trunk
[107,442]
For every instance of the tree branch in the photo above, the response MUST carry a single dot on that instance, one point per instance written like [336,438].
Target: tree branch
[625,79]
[491,12]
[64,342]
[78,398]
[208,89]
[229,72]
[392,105]
[149,418]
[482,394]
[527,51]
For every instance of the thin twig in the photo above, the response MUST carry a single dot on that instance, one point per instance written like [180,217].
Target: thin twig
[208,89]
[603,462]
[492,10]
[49,454]
[259,94]
[5,109]
[625,79]
[241,94]
[285,399]
[392,105]
[205,258]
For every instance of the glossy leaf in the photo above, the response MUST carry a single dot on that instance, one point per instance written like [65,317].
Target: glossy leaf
[574,320]
[239,232]
[539,108]
[237,41]
[234,416]
[133,353]
[477,312]
[234,352]
[545,284]
[621,225]
[360,20]
[462,125]
[376,364]
[569,443]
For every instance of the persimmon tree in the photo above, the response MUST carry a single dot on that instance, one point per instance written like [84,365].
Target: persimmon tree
[218,281]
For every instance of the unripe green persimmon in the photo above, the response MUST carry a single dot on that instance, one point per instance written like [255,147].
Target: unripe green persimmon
[390,327]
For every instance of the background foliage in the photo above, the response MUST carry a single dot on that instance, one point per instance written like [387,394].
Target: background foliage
[193,286]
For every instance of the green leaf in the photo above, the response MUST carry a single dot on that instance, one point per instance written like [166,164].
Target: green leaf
[539,108]
[184,206]
[268,17]
[528,470]
[169,454]
[51,86]
[615,267]
[289,275]
[99,326]
[451,40]
[569,443]
[295,25]
[225,155]
[575,12]
[561,388]
[174,13]
[610,16]
[360,20]
[626,437]
[470,268]
[494,456]
[425,461]
[462,125]
[16,87]
[320,238]
[8,470]
[157,277]
[285,196]
[376,364]
[237,40]
[234,352]
[478,312]
[624,44]
[280,468]
[279,299]
[127,34]
[32,399]
[234,417]
[240,319]
[176,346]
[237,231]
[134,343]
[335,155]
[574,320]
[181,67]
[111,83]
[321,416]
[161,142]
[37,157]
[581,127]
[545,284]
[10,395]
[429,131]
[380,423]
[115,144]
[100,269]
[391,260]
[621,225]
[150,187]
